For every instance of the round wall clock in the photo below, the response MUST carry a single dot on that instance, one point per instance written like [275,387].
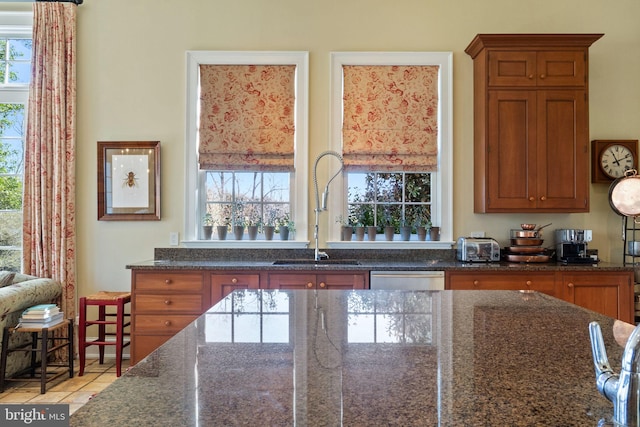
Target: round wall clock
[612,158]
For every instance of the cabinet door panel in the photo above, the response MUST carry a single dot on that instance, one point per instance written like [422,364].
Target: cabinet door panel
[608,293]
[511,153]
[532,281]
[512,68]
[561,68]
[562,151]
[341,281]
[292,281]
[223,284]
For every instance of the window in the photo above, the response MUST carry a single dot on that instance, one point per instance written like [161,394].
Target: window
[404,196]
[241,195]
[15,73]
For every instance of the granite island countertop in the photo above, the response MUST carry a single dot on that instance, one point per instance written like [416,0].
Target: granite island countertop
[449,358]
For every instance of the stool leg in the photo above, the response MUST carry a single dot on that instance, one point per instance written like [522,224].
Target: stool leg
[43,362]
[34,349]
[82,333]
[119,335]
[101,331]
[3,357]
[70,344]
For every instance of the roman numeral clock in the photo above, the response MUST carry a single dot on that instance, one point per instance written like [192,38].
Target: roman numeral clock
[610,159]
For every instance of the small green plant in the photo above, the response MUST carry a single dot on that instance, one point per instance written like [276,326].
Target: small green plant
[285,221]
[207,219]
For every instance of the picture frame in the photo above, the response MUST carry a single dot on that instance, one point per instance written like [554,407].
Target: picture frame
[128,180]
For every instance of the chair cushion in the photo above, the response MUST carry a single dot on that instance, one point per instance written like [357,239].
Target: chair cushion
[6,278]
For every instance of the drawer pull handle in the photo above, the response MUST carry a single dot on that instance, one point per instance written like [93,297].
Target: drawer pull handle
[168,281]
[167,302]
[309,285]
[476,282]
[542,76]
[167,323]
[570,285]
[531,199]
[323,285]
[528,282]
[234,280]
[530,76]
[543,198]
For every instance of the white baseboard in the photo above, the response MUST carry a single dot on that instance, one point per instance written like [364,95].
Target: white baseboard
[92,352]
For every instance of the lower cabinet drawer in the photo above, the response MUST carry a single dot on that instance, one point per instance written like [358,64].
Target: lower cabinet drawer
[162,323]
[168,302]
[168,281]
[542,282]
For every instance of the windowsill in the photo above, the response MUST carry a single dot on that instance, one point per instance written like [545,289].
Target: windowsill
[246,244]
[394,244]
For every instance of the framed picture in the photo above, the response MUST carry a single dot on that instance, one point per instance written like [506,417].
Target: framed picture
[129,180]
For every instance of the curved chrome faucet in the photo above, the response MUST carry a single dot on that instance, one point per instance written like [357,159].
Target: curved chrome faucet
[622,389]
[325,196]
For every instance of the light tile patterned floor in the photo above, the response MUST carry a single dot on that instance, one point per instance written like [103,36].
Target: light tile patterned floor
[75,391]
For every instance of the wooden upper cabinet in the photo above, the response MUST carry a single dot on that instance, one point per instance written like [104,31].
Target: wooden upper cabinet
[531,135]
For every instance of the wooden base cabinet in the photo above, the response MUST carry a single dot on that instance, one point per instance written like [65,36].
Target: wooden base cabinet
[163,303]
[222,284]
[606,292]
[311,280]
[609,294]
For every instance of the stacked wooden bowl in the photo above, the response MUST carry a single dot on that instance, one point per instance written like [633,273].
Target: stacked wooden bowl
[526,245]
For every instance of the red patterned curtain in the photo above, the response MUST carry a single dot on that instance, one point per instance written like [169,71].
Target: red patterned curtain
[247,117]
[390,118]
[49,188]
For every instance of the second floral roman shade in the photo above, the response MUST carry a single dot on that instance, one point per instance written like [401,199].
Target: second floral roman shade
[390,118]
[247,119]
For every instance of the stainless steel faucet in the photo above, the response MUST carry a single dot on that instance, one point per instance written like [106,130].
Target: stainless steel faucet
[325,196]
[622,389]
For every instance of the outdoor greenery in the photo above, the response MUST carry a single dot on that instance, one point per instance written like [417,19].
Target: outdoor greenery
[394,199]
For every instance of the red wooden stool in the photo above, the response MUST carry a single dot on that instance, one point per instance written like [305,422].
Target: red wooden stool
[103,299]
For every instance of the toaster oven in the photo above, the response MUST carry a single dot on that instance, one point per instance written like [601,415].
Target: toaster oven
[474,249]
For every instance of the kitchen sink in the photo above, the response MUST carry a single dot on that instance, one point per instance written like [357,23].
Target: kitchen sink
[314,262]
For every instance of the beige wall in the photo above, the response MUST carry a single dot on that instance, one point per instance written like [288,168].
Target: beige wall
[131,86]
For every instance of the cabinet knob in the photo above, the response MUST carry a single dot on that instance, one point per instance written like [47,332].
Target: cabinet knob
[168,281]
[167,323]
[476,283]
[532,199]
[543,198]
[167,302]
[234,280]
[542,76]
[309,285]
[322,285]
[530,76]
[570,285]
[528,282]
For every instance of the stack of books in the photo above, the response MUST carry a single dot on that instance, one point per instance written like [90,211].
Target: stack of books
[41,316]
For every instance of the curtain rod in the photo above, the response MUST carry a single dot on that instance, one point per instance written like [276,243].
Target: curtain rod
[78,2]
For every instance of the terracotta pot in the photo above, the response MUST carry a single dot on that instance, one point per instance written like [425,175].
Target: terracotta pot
[389,231]
[207,231]
[238,231]
[222,232]
[359,231]
[347,233]
[252,231]
[422,233]
[372,230]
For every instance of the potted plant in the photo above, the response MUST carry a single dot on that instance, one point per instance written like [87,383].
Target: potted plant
[207,226]
[346,230]
[253,224]
[405,231]
[222,228]
[286,226]
[269,227]
[238,221]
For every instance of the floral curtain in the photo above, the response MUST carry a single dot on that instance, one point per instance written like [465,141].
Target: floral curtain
[49,188]
[390,118]
[247,117]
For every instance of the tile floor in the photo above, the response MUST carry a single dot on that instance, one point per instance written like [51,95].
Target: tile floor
[75,391]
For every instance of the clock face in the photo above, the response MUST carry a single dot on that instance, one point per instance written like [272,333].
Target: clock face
[615,160]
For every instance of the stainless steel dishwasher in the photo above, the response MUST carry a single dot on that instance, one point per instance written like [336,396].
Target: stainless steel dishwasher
[407,280]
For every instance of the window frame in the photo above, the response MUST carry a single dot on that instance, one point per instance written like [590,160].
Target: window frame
[441,181]
[195,178]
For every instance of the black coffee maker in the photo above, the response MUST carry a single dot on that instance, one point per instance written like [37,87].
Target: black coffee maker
[571,246]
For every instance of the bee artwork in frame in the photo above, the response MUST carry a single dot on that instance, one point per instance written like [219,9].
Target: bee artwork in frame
[129,180]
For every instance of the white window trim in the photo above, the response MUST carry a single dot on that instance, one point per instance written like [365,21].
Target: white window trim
[443,179]
[300,201]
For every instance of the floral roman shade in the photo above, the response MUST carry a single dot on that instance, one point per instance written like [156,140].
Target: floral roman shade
[390,117]
[247,117]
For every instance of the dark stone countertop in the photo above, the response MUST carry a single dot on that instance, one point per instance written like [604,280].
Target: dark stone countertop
[308,358]
[247,259]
